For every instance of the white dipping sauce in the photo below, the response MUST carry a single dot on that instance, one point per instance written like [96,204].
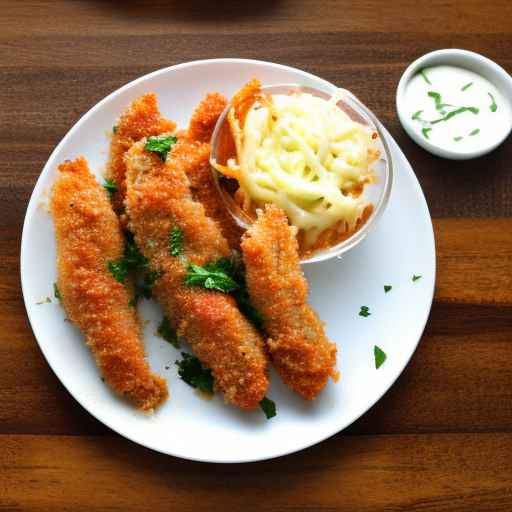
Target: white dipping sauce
[440,118]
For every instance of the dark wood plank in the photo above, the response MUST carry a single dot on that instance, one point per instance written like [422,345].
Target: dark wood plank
[459,379]
[450,472]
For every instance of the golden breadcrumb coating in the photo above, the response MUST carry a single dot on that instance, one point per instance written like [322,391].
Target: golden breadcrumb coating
[193,151]
[142,119]
[88,237]
[299,348]
[158,199]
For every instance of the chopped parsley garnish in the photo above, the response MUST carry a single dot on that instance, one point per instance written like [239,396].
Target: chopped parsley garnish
[467,86]
[176,241]
[415,278]
[111,187]
[474,132]
[245,306]
[212,276]
[457,139]
[387,288]
[380,356]
[194,373]
[268,407]
[455,112]
[160,144]
[425,132]
[425,77]
[132,256]
[143,287]
[56,292]
[114,129]
[166,332]
[118,269]
[493,107]
[365,311]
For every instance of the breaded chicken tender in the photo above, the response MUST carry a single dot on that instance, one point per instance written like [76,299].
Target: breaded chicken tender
[193,152]
[142,119]
[299,348]
[158,200]
[88,238]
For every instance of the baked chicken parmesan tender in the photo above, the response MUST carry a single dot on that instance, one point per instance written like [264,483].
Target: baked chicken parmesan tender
[300,351]
[159,200]
[88,238]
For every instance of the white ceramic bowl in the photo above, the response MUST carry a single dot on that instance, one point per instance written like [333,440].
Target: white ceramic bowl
[465,59]
[375,193]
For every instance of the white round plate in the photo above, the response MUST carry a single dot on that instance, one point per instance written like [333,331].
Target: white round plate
[187,426]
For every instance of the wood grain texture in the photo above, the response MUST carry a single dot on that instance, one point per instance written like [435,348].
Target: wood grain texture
[441,438]
[394,473]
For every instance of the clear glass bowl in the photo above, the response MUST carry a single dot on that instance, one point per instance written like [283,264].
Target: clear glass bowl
[377,193]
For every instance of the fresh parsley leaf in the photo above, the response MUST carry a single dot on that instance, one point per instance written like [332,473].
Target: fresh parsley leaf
[166,332]
[415,278]
[380,356]
[160,144]
[111,187]
[118,269]
[268,407]
[365,311]
[114,129]
[176,241]
[56,292]
[143,287]
[211,276]
[194,373]
[133,258]
[387,288]
[246,308]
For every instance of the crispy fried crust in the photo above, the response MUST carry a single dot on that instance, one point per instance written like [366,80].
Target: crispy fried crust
[299,348]
[158,199]
[193,152]
[142,119]
[88,236]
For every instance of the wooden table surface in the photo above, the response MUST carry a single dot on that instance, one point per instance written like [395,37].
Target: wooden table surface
[441,438]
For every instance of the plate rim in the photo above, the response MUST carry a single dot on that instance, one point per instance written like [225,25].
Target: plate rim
[32,204]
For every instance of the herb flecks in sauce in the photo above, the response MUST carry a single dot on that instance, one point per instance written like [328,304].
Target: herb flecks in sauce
[474,132]
[456,112]
[493,107]
[467,86]
[425,132]
[425,77]
[457,139]
[438,102]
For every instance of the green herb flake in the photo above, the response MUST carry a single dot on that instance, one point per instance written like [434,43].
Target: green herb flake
[176,241]
[467,86]
[456,112]
[365,311]
[144,287]
[111,187]
[212,276]
[457,139]
[133,302]
[387,288]
[268,407]
[132,256]
[474,132]
[380,356]
[438,101]
[417,115]
[56,292]
[118,269]
[114,129]
[194,373]
[416,278]
[425,132]
[493,107]
[160,144]
[166,332]
[424,76]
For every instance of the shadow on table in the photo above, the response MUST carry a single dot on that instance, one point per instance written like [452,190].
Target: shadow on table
[193,10]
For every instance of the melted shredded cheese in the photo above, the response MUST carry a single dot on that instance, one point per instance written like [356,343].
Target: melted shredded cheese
[307,156]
